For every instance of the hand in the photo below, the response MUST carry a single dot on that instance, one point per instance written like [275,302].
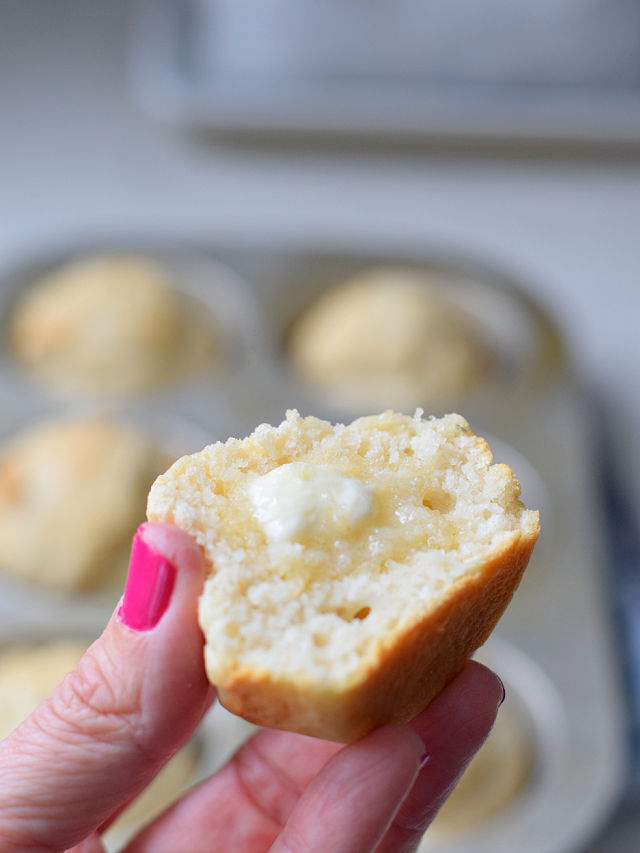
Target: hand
[138,694]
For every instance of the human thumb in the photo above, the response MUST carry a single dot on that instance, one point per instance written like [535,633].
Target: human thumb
[136,696]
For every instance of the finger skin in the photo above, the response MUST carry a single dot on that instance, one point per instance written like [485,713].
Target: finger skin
[311,787]
[90,845]
[349,806]
[134,699]
[453,728]
[246,804]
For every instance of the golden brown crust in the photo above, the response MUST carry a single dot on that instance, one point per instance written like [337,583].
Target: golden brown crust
[413,665]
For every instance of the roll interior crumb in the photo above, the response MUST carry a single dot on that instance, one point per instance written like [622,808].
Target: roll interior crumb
[348,587]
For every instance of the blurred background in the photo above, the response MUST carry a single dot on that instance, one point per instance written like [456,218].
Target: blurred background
[212,209]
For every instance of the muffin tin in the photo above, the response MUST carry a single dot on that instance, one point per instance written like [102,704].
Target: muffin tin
[84,610]
[197,278]
[554,646]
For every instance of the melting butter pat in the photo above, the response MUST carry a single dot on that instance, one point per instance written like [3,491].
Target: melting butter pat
[298,501]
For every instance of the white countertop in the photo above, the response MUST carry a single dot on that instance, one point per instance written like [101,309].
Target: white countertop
[79,160]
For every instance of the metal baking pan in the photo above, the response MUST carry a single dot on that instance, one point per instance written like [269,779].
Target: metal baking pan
[555,645]
[404,71]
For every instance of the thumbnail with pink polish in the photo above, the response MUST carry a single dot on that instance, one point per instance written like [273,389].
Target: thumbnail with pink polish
[149,586]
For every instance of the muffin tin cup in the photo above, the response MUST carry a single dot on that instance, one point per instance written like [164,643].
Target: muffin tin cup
[210,287]
[28,605]
[554,646]
[527,348]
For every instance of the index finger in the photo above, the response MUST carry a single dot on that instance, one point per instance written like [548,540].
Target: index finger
[453,728]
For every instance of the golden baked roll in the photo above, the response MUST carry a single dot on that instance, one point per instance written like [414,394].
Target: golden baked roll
[353,569]
[29,674]
[109,323]
[72,493]
[388,336]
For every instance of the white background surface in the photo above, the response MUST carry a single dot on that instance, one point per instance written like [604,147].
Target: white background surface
[78,159]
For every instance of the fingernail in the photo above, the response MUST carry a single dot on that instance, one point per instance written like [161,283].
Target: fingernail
[149,586]
[424,759]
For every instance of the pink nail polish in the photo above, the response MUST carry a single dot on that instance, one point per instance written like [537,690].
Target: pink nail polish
[149,586]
